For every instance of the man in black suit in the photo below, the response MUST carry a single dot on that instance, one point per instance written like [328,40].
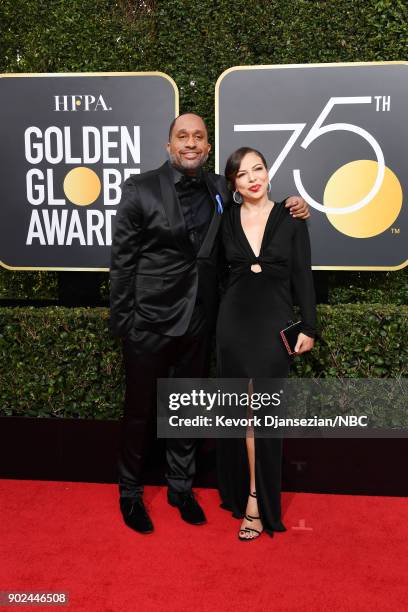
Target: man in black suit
[164,302]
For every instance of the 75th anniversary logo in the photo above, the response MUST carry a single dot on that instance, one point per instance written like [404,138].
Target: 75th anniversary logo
[67,143]
[337,135]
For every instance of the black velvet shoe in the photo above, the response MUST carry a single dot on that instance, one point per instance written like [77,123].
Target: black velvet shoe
[135,515]
[190,509]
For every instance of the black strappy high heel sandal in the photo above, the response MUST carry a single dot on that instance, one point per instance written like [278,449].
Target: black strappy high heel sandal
[247,529]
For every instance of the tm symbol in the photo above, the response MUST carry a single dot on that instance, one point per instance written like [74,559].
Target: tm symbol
[395,230]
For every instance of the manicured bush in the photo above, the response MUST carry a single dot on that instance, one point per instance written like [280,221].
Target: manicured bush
[63,362]
[25,285]
[59,362]
[374,287]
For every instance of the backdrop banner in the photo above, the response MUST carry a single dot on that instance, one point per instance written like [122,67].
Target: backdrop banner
[67,143]
[336,134]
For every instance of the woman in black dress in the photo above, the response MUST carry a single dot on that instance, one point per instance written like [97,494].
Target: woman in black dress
[268,256]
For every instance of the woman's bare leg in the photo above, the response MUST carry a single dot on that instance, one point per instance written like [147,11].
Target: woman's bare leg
[250,444]
[252,505]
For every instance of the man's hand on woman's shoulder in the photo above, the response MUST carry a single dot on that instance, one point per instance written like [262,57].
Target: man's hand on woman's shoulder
[298,207]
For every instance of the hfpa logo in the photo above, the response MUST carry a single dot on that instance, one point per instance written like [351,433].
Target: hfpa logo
[85,102]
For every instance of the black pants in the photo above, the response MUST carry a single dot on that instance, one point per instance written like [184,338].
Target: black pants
[148,356]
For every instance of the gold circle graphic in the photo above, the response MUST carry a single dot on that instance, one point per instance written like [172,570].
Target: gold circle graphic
[350,184]
[82,186]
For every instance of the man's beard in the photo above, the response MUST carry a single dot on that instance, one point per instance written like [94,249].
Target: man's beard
[194,164]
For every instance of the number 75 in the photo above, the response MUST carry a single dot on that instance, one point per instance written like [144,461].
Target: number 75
[314,133]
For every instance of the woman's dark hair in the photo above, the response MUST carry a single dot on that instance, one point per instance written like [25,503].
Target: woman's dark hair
[234,163]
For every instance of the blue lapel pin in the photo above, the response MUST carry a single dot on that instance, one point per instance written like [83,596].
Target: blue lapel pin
[220,208]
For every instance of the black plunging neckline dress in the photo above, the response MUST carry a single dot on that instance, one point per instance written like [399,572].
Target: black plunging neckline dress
[254,308]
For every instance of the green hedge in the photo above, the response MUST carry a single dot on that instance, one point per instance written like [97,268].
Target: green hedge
[63,362]
[28,285]
[374,287]
[58,362]
[194,42]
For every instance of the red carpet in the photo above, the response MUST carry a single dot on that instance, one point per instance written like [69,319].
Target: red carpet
[339,553]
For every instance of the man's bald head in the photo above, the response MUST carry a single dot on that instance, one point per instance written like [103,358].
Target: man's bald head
[173,123]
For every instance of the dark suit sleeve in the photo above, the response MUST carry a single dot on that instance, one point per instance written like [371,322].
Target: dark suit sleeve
[302,278]
[124,256]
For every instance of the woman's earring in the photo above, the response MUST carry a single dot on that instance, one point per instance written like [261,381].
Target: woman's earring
[237,197]
[269,189]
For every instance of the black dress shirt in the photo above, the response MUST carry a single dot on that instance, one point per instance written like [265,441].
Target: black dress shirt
[196,205]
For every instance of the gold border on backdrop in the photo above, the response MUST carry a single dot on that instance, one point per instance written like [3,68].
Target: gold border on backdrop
[279,67]
[85,74]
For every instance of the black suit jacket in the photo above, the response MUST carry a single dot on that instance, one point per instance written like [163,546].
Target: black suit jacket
[154,270]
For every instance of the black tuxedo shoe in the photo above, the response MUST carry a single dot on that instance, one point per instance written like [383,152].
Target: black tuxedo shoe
[190,509]
[135,515]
